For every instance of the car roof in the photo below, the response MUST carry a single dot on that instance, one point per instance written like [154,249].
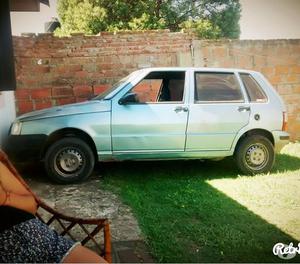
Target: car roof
[197,69]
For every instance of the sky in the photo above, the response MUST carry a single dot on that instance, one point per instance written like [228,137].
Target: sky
[270,19]
[260,19]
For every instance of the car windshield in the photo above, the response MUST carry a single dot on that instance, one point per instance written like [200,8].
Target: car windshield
[115,86]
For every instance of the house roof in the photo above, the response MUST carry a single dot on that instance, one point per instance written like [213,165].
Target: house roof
[27,5]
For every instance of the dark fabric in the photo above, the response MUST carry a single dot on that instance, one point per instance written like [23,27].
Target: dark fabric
[10,216]
[33,242]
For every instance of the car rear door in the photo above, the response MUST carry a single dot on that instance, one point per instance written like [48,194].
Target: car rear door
[218,110]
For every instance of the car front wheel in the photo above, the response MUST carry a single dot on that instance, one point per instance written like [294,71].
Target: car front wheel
[69,160]
[254,155]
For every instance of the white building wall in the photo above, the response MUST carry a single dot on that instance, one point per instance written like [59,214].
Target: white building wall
[270,19]
[7,113]
[32,22]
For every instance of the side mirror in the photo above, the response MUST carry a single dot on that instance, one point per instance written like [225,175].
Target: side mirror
[128,98]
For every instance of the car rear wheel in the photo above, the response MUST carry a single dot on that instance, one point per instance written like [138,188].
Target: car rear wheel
[69,160]
[254,155]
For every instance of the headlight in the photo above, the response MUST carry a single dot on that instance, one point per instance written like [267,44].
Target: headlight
[16,128]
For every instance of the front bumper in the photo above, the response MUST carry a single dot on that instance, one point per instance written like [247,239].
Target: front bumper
[281,138]
[24,148]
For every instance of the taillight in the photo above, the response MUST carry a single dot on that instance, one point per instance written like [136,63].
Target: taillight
[284,121]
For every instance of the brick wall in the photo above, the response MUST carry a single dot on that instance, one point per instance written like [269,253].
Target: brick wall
[54,71]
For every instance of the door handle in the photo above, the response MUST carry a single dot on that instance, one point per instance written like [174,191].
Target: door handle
[181,108]
[243,108]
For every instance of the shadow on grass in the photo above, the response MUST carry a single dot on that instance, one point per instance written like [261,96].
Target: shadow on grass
[286,162]
[207,169]
[187,220]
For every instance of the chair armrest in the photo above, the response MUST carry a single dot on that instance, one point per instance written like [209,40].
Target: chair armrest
[99,223]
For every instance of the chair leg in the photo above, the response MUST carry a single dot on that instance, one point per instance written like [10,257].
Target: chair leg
[107,243]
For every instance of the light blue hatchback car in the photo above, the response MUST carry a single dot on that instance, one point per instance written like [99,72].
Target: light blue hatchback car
[159,113]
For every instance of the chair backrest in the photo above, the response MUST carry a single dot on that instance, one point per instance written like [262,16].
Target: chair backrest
[14,173]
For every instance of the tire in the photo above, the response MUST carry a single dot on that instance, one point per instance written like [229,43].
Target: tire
[69,160]
[255,155]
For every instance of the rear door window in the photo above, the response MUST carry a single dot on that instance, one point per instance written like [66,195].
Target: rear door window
[217,87]
[254,91]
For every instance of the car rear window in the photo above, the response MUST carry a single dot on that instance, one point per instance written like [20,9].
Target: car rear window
[254,91]
[217,87]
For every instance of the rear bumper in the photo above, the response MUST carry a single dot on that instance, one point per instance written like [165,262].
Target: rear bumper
[24,148]
[281,138]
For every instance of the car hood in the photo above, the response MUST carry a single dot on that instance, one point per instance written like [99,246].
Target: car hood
[70,109]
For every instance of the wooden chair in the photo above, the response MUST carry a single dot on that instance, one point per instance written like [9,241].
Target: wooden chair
[90,227]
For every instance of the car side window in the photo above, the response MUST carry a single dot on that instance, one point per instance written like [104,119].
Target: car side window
[254,91]
[217,87]
[159,87]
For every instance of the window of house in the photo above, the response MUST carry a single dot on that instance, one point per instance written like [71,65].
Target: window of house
[160,87]
[254,91]
[217,87]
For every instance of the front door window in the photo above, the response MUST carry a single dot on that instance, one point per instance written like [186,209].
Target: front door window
[160,87]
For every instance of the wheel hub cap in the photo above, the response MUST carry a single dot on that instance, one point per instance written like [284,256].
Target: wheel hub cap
[70,160]
[257,156]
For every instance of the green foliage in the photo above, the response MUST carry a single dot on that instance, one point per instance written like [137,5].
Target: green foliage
[203,28]
[146,22]
[80,16]
[227,19]
[93,16]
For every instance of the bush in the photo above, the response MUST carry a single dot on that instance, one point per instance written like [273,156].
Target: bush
[203,28]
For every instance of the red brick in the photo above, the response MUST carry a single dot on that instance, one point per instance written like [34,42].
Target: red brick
[281,69]
[98,89]
[292,78]
[60,69]
[63,91]
[25,106]
[42,69]
[63,101]
[68,68]
[275,79]
[81,74]
[81,99]
[41,93]
[74,68]
[219,52]
[295,69]
[268,71]
[22,94]
[297,89]
[82,90]
[42,104]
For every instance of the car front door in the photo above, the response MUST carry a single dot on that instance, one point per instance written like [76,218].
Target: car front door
[156,120]
[218,111]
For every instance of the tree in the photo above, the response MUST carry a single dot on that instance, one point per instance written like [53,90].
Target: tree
[92,16]
[80,16]
[203,28]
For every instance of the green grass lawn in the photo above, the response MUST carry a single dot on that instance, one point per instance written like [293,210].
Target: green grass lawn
[193,211]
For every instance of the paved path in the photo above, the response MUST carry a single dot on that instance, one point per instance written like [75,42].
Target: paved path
[89,199]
